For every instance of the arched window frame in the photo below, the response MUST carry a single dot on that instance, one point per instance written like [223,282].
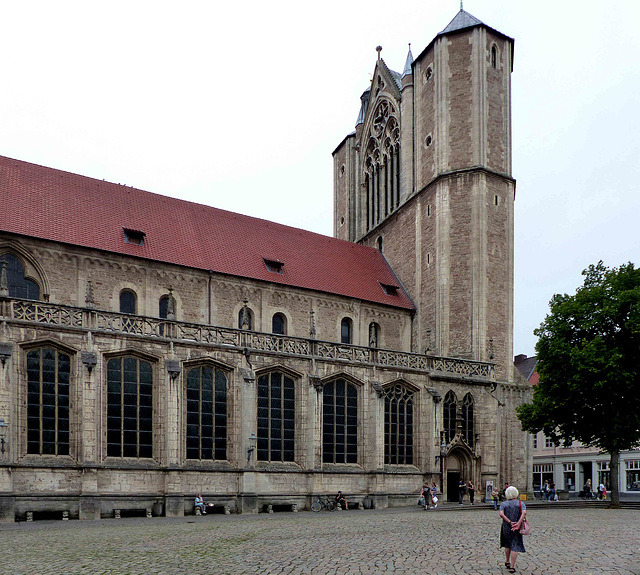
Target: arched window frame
[340,421]
[494,56]
[398,424]
[128,301]
[346,330]
[20,286]
[206,412]
[450,415]
[276,410]
[279,324]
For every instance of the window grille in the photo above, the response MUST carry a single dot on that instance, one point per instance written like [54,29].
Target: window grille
[398,426]
[127,301]
[339,422]
[48,374]
[206,413]
[129,408]
[276,417]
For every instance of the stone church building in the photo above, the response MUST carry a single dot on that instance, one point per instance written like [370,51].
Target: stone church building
[152,348]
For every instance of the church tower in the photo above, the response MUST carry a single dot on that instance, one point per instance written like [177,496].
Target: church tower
[426,178]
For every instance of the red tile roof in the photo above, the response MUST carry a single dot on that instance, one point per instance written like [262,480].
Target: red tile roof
[63,207]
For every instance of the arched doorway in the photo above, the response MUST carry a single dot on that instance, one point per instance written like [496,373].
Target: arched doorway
[458,466]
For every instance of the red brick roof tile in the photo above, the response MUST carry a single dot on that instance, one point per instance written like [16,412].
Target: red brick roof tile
[64,207]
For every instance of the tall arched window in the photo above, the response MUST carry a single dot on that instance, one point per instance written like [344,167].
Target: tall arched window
[129,407]
[276,417]
[19,286]
[206,413]
[127,301]
[450,415]
[382,164]
[398,425]
[339,422]
[48,373]
[279,324]
[467,419]
[346,335]
[494,56]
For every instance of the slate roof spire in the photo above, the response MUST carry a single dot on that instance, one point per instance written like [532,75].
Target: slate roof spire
[408,62]
[462,20]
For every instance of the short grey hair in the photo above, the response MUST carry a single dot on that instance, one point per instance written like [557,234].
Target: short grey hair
[511,492]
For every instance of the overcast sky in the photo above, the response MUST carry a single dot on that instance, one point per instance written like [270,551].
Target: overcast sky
[239,105]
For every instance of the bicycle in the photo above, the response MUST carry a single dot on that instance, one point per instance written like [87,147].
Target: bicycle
[320,503]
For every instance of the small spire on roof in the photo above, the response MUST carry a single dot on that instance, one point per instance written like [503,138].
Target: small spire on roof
[407,64]
[461,5]
[378,50]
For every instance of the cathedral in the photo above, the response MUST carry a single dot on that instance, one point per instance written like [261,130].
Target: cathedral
[152,349]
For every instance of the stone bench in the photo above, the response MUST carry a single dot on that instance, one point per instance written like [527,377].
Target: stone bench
[277,507]
[142,512]
[354,503]
[211,509]
[64,515]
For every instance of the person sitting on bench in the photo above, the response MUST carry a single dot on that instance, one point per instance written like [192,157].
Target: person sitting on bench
[340,498]
[199,503]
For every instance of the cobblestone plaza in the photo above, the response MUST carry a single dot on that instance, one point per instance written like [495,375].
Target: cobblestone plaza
[577,541]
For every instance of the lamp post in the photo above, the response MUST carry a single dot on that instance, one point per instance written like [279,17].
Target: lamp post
[252,447]
[3,434]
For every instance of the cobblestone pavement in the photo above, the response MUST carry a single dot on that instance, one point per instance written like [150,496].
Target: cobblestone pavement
[408,541]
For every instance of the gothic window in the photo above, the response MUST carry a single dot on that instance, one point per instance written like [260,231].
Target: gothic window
[127,301]
[494,57]
[245,318]
[339,422]
[467,419]
[398,425]
[129,407]
[48,374]
[450,414]
[206,413]
[276,417]
[346,327]
[19,286]
[374,333]
[279,324]
[381,165]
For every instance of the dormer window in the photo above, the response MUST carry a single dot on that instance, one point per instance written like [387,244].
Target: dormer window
[135,237]
[274,266]
[389,289]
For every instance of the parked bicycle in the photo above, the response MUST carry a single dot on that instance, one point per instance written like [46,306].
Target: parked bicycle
[321,503]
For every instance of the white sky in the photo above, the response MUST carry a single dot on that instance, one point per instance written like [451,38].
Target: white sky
[239,105]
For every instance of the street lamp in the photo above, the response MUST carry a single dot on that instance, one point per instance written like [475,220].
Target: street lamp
[3,434]
[252,447]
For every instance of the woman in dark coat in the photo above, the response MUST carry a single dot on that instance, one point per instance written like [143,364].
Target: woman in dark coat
[512,512]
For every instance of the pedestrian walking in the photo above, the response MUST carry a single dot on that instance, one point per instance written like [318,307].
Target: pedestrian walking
[461,489]
[495,495]
[472,491]
[512,512]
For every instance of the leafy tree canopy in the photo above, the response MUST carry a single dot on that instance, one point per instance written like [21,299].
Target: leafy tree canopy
[589,363]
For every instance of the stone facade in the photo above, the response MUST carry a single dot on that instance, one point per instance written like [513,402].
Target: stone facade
[448,238]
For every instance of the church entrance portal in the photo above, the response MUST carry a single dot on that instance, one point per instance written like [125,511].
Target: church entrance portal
[453,478]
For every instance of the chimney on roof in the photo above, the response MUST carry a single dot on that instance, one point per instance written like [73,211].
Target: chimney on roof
[520,358]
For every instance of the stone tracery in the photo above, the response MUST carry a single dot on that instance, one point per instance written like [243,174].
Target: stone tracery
[381,164]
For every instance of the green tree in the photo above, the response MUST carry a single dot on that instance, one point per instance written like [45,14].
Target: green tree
[589,365]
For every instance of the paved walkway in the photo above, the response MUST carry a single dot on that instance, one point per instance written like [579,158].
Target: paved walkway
[407,541]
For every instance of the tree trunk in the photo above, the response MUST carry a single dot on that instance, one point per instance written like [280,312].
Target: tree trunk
[615,479]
